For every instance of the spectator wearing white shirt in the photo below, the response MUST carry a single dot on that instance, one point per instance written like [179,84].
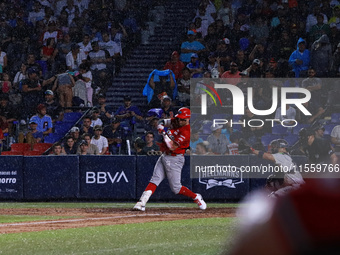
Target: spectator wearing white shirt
[95,120]
[36,14]
[99,140]
[312,18]
[74,58]
[85,45]
[206,18]
[290,115]
[109,45]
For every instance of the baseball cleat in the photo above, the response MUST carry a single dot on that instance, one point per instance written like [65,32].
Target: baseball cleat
[200,202]
[139,207]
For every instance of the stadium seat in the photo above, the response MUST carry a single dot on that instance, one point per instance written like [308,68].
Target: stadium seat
[267,138]
[20,147]
[71,116]
[329,128]
[52,138]
[13,153]
[41,147]
[335,118]
[291,139]
[280,130]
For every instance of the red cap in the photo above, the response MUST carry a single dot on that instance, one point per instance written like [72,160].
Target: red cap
[40,107]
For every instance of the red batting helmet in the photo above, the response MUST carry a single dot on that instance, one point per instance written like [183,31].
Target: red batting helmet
[183,113]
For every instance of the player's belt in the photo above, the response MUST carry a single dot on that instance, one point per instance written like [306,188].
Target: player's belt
[172,154]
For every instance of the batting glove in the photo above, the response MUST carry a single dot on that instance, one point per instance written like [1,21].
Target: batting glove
[160,129]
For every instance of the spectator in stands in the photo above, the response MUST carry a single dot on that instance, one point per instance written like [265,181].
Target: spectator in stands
[106,111]
[75,133]
[217,141]
[48,54]
[31,93]
[316,111]
[86,127]
[64,47]
[184,88]
[85,45]
[233,75]
[314,85]
[109,45]
[252,133]
[241,61]
[8,112]
[57,150]
[259,52]
[3,59]
[224,53]
[254,70]
[214,63]
[52,32]
[175,65]
[19,76]
[92,148]
[202,148]
[225,13]
[74,58]
[319,29]
[99,60]
[258,30]
[152,126]
[36,14]
[114,135]
[290,115]
[138,145]
[334,36]
[319,131]
[70,146]
[85,75]
[195,66]
[312,18]
[128,113]
[95,120]
[161,83]
[83,148]
[43,120]
[6,84]
[190,46]
[206,18]
[321,56]
[33,136]
[283,48]
[53,108]
[300,59]
[168,111]
[194,140]
[32,64]
[233,146]
[211,39]
[149,143]
[63,85]
[100,140]
[335,138]
[72,10]
[335,68]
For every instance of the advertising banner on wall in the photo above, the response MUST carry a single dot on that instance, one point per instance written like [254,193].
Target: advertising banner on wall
[107,177]
[11,180]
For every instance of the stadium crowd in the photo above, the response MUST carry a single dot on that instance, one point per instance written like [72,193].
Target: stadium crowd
[65,53]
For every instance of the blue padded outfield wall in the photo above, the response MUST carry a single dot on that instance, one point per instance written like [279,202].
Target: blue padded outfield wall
[71,177]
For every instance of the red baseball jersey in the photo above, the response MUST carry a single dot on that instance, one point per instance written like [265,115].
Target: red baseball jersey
[181,136]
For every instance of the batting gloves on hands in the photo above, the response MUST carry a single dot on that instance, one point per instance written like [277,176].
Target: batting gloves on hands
[160,129]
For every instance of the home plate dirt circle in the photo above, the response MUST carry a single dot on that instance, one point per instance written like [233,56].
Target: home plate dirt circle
[91,217]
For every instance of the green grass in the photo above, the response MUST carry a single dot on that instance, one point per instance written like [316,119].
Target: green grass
[195,236]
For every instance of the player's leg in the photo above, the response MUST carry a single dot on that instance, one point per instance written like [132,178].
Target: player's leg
[157,177]
[173,169]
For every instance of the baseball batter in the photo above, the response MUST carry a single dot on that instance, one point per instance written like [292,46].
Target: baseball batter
[170,163]
[292,179]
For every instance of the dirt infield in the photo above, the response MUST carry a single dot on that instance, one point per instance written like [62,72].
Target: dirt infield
[90,217]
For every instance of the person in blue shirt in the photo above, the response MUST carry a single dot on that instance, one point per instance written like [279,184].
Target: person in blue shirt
[300,59]
[43,120]
[128,113]
[189,47]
